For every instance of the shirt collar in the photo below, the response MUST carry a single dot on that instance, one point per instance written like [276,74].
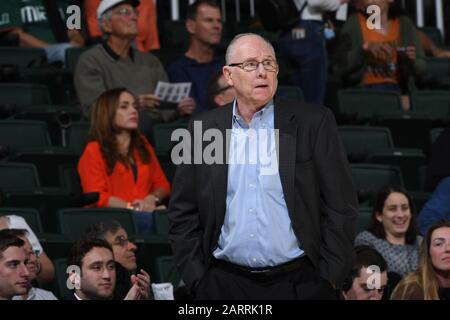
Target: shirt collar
[265,115]
[114,55]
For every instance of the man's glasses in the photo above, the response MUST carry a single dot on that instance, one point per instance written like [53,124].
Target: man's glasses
[121,241]
[252,65]
[126,12]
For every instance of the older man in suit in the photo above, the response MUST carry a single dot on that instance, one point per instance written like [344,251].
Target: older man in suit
[241,230]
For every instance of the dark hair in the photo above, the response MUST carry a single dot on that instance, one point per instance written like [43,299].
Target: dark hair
[395,10]
[7,239]
[17,232]
[365,256]
[193,8]
[83,247]
[103,131]
[376,227]
[213,89]
[100,229]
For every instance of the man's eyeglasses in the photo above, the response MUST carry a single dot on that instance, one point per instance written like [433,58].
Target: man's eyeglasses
[121,241]
[126,12]
[252,65]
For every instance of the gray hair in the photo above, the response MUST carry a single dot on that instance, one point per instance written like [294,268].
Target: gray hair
[237,37]
[100,229]
[105,16]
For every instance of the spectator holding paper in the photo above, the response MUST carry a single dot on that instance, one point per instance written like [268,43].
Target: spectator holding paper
[115,63]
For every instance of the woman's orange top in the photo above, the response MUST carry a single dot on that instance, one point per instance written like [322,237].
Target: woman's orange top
[147,38]
[381,69]
[92,169]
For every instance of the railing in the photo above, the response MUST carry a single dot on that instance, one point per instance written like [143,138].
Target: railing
[175,9]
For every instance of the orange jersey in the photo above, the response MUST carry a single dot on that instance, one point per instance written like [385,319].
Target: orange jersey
[381,68]
[92,169]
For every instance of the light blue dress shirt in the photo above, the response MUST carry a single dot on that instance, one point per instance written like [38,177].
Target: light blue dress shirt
[257,231]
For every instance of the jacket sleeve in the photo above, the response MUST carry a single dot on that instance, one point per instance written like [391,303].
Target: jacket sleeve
[412,39]
[437,208]
[93,176]
[185,231]
[339,205]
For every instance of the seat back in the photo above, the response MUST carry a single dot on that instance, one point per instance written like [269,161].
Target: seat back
[166,271]
[435,103]
[368,103]
[31,216]
[78,136]
[73,222]
[24,94]
[18,177]
[18,134]
[359,141]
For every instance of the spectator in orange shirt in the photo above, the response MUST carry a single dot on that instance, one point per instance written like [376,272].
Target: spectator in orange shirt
[119,164]
[147,38]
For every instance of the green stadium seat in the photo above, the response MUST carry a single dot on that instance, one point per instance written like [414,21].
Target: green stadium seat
[23,57]
[20,134]
[72,57]
[24,94]
[69,178]
[435,103]
[47,161]
[162,133]
[359,141]
[409,160]
[73,222]
[438,73]
[166,271]
[370,178]
[161,222]
[363,220]
[78,136]
[59,287]
[366,104]
[408,129]
[31,216]
[18,177]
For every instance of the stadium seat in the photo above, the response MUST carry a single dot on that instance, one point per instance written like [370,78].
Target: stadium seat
[363,220]
[438,73]
[366,104]
[69,178]
[370,178]
[408,129]
[22,57]
[166,271]
[20,134]
[18,177]
[72,56]
[435,103]
[31,216]
[409,160]
[434,34]
[162,133]
[47,161]
[78,136]
[73,222]
[24,94]
[161,222]
[59,287]
[359,141]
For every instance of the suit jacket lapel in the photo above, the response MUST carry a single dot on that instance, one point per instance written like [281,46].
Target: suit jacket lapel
[220,171]
[284,122]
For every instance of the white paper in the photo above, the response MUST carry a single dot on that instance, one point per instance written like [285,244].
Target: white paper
[341,14]
[172,92]
[163,291]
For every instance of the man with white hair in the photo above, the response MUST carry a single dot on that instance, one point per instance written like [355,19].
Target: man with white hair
[115,63]
[243,227]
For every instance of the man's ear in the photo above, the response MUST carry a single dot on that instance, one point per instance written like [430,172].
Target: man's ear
[105,26]
[190,26]
[227,74]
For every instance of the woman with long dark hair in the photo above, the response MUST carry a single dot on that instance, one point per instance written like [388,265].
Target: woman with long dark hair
[392,230]
[118,163]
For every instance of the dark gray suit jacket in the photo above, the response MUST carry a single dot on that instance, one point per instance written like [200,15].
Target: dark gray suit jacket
[317,187]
